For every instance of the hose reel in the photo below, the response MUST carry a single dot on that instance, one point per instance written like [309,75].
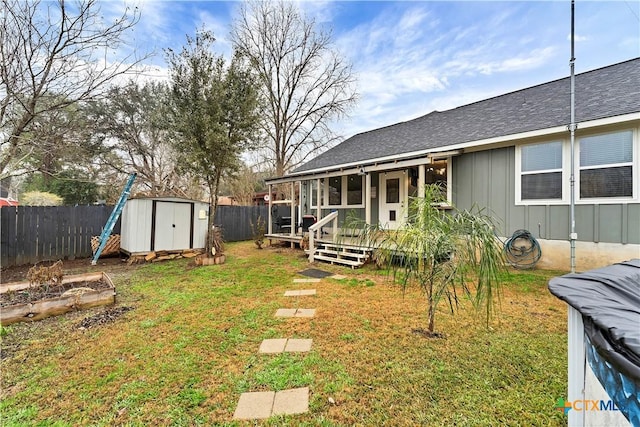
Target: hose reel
[522,250]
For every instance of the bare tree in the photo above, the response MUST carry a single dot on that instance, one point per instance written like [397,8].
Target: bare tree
[52,55]
[305,83]
[244,184]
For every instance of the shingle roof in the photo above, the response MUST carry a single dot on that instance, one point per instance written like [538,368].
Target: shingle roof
[606,92]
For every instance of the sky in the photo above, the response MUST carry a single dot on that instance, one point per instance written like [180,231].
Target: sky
[414,57]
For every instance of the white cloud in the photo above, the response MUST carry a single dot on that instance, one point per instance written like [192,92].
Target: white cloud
[409,61]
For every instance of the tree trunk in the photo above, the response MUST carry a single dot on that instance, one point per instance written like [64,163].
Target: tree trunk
[213,205]
[432,308]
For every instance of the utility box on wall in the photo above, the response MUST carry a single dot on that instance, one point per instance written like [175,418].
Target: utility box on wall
[164,223]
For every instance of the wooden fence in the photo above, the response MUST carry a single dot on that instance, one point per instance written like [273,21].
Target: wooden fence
[29,234]
[236,221]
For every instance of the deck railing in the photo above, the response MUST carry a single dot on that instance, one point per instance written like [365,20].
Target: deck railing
[317,228]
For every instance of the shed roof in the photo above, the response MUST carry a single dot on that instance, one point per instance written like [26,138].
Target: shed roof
[605,92]
[167,199]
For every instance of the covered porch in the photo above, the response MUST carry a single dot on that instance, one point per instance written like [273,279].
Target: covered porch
[317,203]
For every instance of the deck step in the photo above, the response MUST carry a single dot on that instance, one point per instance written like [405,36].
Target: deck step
[343,261]
[344,247]
[340,254]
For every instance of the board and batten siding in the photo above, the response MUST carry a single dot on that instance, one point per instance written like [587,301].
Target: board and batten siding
[487,179]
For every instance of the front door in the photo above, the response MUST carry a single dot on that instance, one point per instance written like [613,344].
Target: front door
[393,190]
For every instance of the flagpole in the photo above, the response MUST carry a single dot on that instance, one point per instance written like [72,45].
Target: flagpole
[572,131]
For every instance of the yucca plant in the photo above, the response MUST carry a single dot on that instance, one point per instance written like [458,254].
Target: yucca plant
[447,253]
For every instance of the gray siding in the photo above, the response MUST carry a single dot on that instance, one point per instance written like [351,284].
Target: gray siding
[487,179]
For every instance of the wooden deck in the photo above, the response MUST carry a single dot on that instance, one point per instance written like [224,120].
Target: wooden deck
[296,238]
[326,238]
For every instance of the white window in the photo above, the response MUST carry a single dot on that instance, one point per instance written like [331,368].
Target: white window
[314,193]
[339,192]
[539,172]
[606,166]
[334,191]
[354,190]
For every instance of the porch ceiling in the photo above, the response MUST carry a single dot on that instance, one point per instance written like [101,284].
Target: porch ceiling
[365,168]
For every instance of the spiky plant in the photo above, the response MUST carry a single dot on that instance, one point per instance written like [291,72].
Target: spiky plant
[447,253]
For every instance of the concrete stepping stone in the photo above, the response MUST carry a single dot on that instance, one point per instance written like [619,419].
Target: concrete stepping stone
[306,280]
[305,312]
[280,345]
[255,405]
[286,312]
[295,312]
[260,405]
[295,345]
[273,345]
[290,402]
[338,277]
[300,293]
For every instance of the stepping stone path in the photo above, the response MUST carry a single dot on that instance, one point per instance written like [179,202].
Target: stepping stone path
[301,293]
[264,404]
[295,312]
[306,280]
[280,345]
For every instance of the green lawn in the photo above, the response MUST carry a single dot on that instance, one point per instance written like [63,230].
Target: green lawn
[188,349]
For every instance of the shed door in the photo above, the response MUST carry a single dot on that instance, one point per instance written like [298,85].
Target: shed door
[172,226]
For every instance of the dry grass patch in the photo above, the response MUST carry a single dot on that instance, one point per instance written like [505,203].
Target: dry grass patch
[188,349]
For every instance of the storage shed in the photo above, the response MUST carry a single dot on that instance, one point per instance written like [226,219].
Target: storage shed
[163,223]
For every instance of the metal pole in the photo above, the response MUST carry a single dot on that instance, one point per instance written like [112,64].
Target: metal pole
[572,131]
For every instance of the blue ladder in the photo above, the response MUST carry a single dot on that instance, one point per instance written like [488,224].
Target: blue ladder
[113,218]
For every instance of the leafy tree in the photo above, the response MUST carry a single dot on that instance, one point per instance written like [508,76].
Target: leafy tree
[448,254]
[72,185]
[306,84]
[52,55]
[40,198]
[133,131]
[63,157]
[215,112]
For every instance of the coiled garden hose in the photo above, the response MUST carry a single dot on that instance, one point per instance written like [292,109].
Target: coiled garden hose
[522,250]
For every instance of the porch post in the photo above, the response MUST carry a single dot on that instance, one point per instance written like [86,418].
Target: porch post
[421,174]
[292,210]
[367,198]
[270,197]
[300,201]
[318,200]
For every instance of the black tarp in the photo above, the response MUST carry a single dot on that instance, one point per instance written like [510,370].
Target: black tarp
[609,300]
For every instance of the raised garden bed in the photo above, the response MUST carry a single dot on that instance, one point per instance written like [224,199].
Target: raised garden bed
[25,302]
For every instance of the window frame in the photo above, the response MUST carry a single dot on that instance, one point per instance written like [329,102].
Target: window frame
[634,170]
[564,169]
[344,182]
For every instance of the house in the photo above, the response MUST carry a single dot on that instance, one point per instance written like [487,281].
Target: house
[510,154]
